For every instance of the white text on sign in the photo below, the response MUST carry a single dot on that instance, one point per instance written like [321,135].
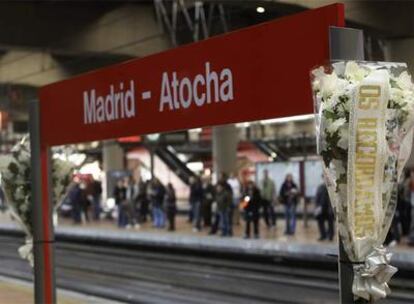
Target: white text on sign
[176,93]
[115,105]
[204,88]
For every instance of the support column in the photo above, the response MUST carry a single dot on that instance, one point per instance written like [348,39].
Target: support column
[225,140]
[112,159]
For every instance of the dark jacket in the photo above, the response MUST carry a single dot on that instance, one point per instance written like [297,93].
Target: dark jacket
[208,194]
[196,192]
[322,200]
[289,193]
[158,195]
[223,200]
[170,201]
[227,188]
[75,196]
[119,194]
[96,189]
[252,208]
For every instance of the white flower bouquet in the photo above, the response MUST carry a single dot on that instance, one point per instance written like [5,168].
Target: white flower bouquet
[364,124]
[16,184]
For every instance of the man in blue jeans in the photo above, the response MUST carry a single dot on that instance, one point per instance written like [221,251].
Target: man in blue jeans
[157,200]
[224,202]
[196,198]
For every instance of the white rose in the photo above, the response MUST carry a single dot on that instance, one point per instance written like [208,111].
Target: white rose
[397,95]
[19,195]
[354,72]
[329,84]
[23,208]
[343,137]
[338,167]
[404,81]
[335,125]
[317,75]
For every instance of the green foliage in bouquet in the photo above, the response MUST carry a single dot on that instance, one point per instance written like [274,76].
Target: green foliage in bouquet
[16,183]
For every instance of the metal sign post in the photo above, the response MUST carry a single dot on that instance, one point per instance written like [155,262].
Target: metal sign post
[43,236]
[345,44]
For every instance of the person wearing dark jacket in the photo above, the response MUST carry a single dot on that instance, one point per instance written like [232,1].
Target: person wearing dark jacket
[196,198]
[289,198]
[170,206]
[324,213]
[251,204]
[96,197]
[75,197]
[208,199]
[120,200]
[143,201]
[85,203]
[157,201]
[223,181]
[224,201]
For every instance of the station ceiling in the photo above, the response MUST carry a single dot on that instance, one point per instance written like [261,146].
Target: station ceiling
[43,42]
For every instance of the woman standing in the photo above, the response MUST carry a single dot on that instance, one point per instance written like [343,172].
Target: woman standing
[251,204]
[171,206]
[289,197]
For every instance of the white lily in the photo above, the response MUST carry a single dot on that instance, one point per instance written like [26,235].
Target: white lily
[354,72]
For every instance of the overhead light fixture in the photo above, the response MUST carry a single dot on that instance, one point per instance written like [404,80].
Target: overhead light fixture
[260,9]
[153,136]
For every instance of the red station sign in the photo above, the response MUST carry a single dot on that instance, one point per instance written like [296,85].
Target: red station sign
[256,73]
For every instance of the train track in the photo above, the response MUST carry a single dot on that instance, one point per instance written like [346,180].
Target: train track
[142,274]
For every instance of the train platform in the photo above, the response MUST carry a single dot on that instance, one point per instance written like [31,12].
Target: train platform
[272,242]
[21,292]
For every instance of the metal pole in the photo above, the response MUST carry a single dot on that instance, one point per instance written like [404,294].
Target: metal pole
[43,236]
[345,44]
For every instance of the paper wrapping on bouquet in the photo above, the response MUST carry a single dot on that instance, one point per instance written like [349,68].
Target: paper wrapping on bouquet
[364,126]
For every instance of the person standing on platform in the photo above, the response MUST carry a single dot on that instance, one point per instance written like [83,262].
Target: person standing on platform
[85,202]
[268,191]
[76,201]
[143,200]
[234,183]
[224,202]
[157,201]
[171,206]
[96,199]
[251,205]
[223,181]
[196,198]
[324,213]
[289,197]
[208,199]
[120,198]
[131,194]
